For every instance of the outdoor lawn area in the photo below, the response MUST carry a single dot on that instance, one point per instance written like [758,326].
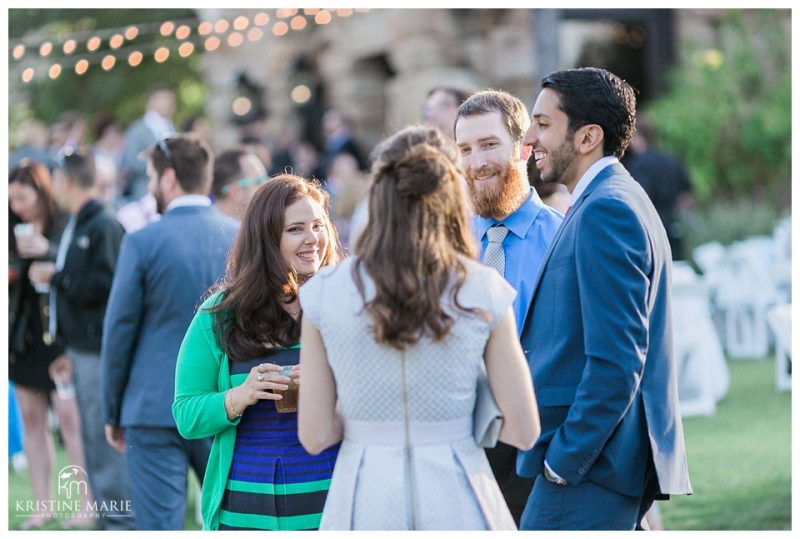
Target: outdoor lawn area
[739,461]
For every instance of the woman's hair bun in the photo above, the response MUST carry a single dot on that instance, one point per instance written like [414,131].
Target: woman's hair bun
[422,170]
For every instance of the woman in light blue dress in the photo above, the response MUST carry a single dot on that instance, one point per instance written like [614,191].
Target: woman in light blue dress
[394,341]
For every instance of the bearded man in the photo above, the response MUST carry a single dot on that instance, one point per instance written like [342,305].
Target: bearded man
[512,225]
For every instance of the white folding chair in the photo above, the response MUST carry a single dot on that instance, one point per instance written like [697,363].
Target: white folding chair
[780,322]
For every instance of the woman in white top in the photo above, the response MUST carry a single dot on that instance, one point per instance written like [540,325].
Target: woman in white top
[394,340]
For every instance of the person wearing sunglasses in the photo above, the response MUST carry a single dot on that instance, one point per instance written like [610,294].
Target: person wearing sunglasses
[237,175]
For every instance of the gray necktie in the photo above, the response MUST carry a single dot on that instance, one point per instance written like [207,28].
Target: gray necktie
[63,247]
[494,256]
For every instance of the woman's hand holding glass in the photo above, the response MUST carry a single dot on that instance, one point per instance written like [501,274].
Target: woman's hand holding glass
[261,381]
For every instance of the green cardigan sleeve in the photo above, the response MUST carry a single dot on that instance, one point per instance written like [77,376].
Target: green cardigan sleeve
[200,384]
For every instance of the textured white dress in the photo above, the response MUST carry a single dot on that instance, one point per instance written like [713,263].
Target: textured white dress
[442,473]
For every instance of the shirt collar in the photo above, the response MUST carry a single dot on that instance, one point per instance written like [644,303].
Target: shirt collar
[189,200]
[590,175]
[519,222]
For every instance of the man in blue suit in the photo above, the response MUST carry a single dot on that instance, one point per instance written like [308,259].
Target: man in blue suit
[598,335]
[163,272]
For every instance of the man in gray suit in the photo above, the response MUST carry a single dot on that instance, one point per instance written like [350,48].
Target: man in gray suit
[143,133]
[163,271]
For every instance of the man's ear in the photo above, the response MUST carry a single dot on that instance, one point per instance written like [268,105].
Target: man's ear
[169,178]
[588,138]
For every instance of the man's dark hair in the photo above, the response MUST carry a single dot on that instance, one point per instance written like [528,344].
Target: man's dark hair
[78,167]
[590,95]
[227,168]
[191,158]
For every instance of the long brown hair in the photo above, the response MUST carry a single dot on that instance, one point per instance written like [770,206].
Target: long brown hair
[417,229]
[35,175]
[251,317]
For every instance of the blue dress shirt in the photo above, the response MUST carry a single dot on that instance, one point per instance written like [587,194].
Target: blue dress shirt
[532,227]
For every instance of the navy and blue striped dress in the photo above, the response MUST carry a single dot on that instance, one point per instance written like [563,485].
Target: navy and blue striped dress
[273,483]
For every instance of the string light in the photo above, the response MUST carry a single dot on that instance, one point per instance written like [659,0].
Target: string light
[299,22]
[221,26]
[285,13]
[185,49]
[161,54]
[323,17]
[246,27]
[235,39]
[167,28]
[300,94]
[212,43]
[241,106]
[254,34]
[183,32]
[116,41]
[135,58]
[241,22]
[280,28]
[93,44]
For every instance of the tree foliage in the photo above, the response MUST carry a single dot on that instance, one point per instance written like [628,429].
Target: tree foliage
[728,110]
[123,90]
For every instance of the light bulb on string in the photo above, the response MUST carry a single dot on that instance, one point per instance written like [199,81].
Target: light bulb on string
[19,51]
[261,19]
[135,58]
[27,75]
[82,67]
[69,46]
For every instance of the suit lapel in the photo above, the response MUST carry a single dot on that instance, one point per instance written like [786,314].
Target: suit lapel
[601,177]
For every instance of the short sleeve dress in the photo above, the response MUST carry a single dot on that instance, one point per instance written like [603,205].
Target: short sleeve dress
[408,459]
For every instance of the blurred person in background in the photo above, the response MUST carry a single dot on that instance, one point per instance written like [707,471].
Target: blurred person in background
[237,175]
[348,187]
[35,227]
[664,179]
[198,126]
[441,107]
[259,147]
[66,134]
[163,271]
[80,280]
[107,155]
[32,140]
[230,362]
[141,135]
[338,134]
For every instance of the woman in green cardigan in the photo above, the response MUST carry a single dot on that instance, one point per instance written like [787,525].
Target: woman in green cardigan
[241,348]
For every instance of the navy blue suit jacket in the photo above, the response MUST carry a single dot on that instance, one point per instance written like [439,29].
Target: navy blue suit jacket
[163,272]
[598,340]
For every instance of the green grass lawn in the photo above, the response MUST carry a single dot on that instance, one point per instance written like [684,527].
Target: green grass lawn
[19,488]
[739,462]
